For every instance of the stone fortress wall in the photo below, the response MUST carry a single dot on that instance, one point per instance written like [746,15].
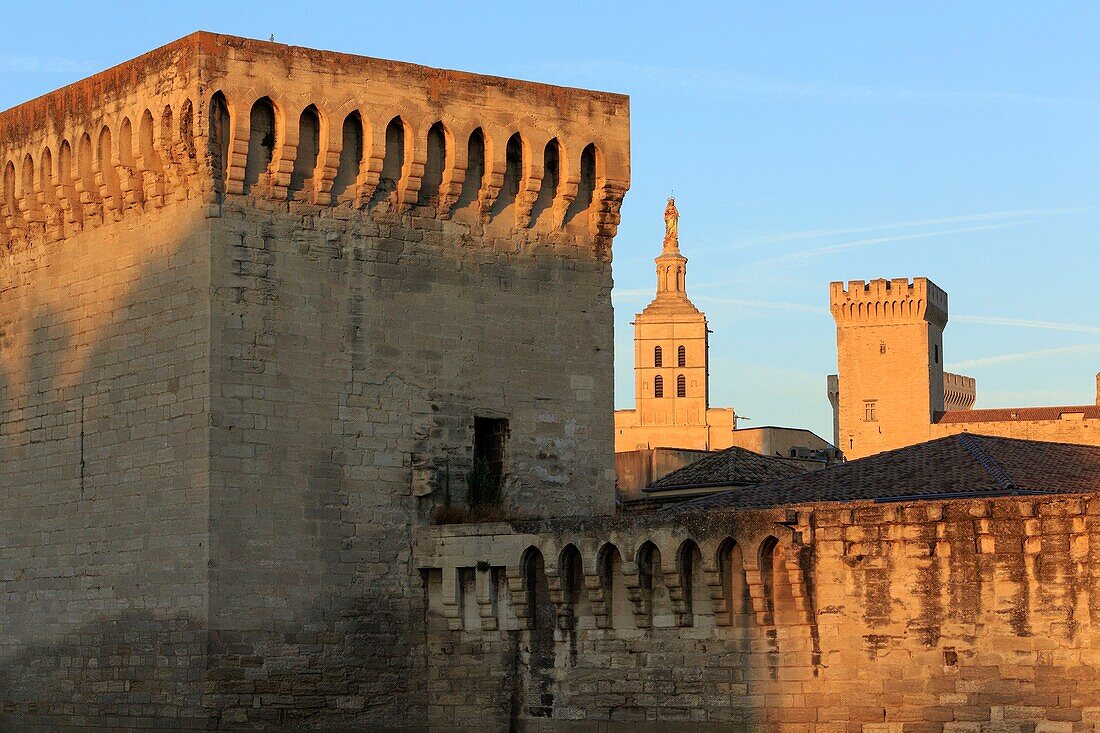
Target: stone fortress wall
[104,398]
[255,297]
[959,616]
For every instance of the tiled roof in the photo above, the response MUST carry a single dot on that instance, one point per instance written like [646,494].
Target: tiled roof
[1008,414]
[964,465]
[732,467]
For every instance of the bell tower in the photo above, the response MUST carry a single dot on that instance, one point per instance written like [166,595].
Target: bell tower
[670,345]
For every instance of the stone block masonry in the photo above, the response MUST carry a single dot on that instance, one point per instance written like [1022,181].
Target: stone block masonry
[247,325]
[935,616]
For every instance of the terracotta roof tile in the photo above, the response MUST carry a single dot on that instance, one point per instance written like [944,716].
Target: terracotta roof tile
[965,465]
[1009,414]
[732,467]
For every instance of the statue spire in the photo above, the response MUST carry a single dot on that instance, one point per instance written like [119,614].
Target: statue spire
[672,226]
[671,265]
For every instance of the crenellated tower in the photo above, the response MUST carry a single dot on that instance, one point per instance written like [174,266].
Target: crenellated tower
[671,364]
[890,384]
[262,310]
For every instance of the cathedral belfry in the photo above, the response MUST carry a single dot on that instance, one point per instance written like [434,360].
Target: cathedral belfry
[671,372]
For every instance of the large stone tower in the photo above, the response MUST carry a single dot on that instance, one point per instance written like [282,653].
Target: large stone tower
[261,308]
[671,371]
[890,362]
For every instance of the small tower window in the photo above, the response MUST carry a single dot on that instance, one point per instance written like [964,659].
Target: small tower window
[936,351]
[658,386]
[681,356]
[681,386]
[490,451]
[869,411]
[657,358]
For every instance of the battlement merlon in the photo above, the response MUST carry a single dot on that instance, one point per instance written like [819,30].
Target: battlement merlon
[883,302]
[333,129]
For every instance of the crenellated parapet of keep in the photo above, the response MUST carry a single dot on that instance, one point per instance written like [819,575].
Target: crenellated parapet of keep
[959,391]
[883,301]
[233,122]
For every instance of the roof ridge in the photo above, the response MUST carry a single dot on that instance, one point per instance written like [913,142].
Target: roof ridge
[995,470]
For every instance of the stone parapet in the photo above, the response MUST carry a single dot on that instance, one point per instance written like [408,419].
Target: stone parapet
[884,301]
[213,116]
[926,616]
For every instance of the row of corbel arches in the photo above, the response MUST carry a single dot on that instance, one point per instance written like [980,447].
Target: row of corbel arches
[395,165]
[713,584]
[99,174]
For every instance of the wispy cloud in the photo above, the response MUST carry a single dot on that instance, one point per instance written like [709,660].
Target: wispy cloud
[710,83]
[985,216]
[1024,356]
[1023,323]
[18,64]
[805,255]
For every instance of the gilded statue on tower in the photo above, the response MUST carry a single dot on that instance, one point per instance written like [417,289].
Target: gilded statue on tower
[672,221]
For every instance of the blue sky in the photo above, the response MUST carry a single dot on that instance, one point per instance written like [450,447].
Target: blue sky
[806,142]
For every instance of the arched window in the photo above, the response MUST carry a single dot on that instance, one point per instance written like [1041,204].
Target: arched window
[778,593]
[86,169]
[540,612]
[587,185]
[9,190]
[658,386]
[657,357]
[551,174]
[309,148]
[66,182]
[393,164]
[187,128]
[735,587]
[435,164]
[150,160]
[681,356]
[513,174]
[46,177]
[654,593]
[167,132]
[107,167]
[767,577]
[27,189]
[681,386]
[574,594]
[261,141]
[475,169]
[351,156]
[219,139]
[615,600]
[696,594]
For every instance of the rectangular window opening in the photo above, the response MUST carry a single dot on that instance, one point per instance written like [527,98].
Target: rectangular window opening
[490,449]
[870,411]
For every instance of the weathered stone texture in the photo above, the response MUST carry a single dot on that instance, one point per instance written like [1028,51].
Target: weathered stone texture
[934,616]
[104,494]
[241,363]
